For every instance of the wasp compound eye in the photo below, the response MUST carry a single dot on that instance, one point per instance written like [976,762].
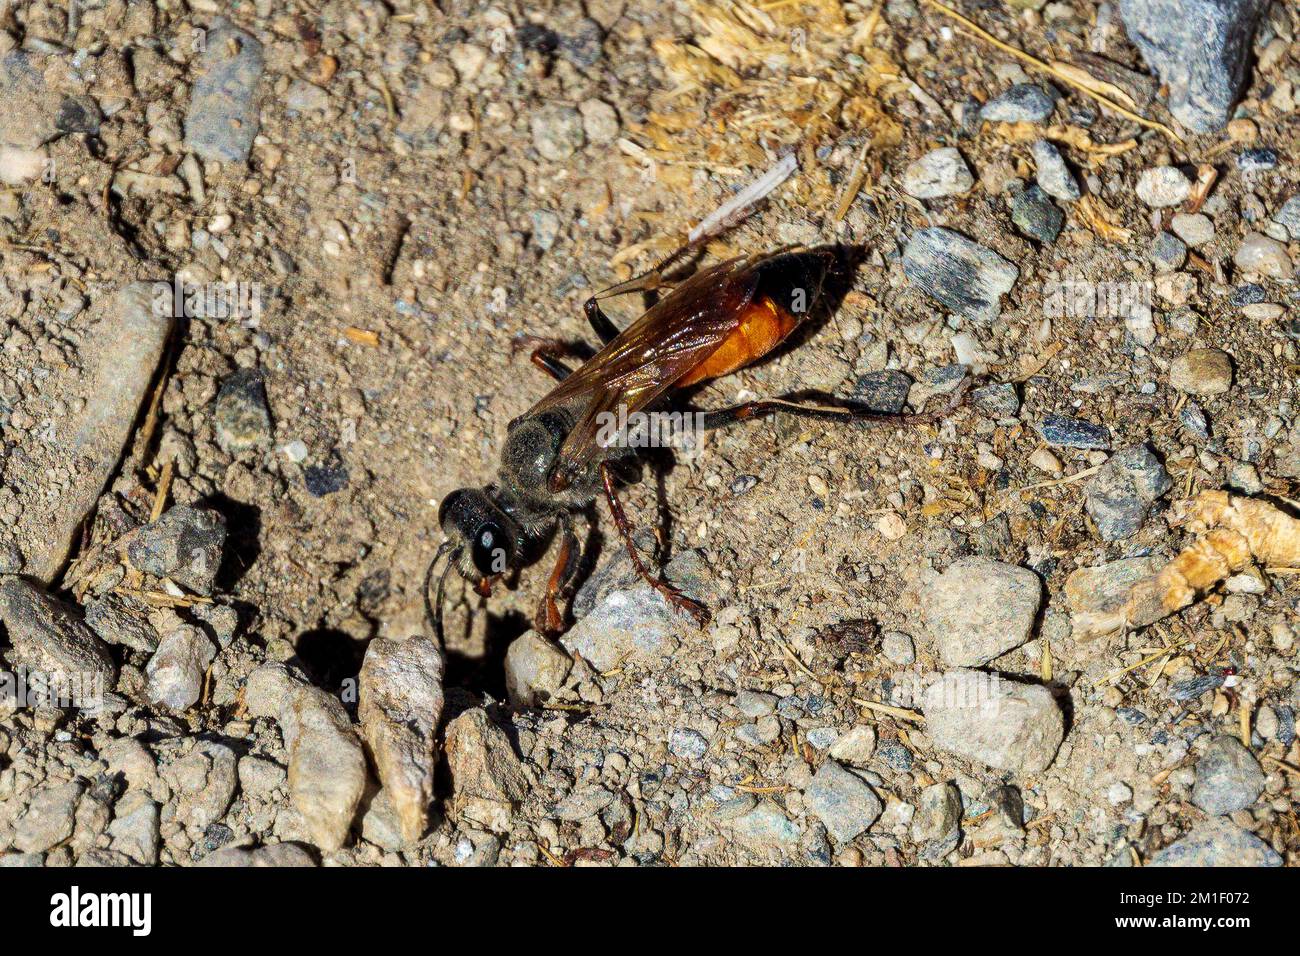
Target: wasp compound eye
[490,549]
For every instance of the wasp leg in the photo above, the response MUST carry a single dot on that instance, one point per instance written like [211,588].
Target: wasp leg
[550,620]
[651,280]
[746,411]
[675,597]
[547,353]
[601,324]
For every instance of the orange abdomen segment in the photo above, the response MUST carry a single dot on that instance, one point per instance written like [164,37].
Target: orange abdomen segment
[762,328]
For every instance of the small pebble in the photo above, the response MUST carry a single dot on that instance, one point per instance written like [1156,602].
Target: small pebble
[1195,229]
[939,173]
[1053,176]
[1202,372]
[1035,215]
[1163,186]
[1260,254]
[1023,103]
[1168,252]
[1062,431]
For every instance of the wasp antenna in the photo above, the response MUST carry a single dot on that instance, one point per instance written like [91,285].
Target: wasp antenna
[433,611]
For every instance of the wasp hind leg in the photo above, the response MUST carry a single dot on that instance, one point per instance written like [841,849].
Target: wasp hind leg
[747,411]
[651,280]
[674,597]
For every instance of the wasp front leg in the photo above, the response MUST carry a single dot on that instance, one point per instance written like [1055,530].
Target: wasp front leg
[549,620]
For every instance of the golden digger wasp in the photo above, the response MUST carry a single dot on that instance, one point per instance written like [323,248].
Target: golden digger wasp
[556,461]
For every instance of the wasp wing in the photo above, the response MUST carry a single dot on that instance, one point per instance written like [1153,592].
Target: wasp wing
[648,357]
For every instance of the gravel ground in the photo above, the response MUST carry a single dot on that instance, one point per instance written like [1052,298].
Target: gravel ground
[264,269]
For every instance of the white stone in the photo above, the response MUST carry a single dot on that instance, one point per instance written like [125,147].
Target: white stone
[940,172]
[1163,186]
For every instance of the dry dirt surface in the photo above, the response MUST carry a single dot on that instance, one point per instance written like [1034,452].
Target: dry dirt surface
[264,272]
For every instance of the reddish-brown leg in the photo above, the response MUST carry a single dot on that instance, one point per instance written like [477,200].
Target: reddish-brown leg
[547,353]
[549,621]
[675,597]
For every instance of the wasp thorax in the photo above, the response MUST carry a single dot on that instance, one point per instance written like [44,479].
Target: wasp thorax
[530,452]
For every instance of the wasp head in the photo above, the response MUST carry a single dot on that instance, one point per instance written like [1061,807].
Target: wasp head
[484,540]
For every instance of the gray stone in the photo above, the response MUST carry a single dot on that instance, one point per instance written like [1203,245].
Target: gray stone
[1062,431]
[1228,778]
[177,669]
[241,420]
[843,802]
[116,621]
[400,707]
[1288,217]
[999,401]
[1265,256]
[631,618]
[1167,252]
[29,119]
[1120,495]
[939,173]
[134,831]
[220,620]
[1022,103]
[958,273]
[1162,186]
[535,670]
[126,345]
[327,767]
[582,804]
[1195,229]
[1217,842]
[884,391]
[557,132]
[260,777]
[765,826]
[1034,213]
[486,776]
[938,813]
[754,704]
[979,609]
[687,744]
[203,782]
[999,723]
[277,854]
[1200,49]
[49,637]
[49,819]
[380,825]
[898,647]
[185,544]
[856,747]
[222,119]
[270,690]
[306,97]
[1053,176]
[1192,418]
